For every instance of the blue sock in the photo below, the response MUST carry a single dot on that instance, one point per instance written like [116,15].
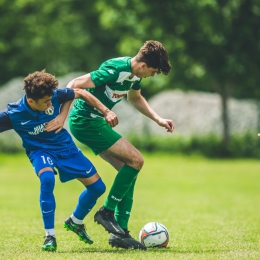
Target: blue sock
[47,200]
[88,199]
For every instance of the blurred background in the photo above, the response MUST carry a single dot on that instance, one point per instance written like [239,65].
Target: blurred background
[212,93]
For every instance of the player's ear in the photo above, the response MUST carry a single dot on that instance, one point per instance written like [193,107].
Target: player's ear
[30,101]
[143,65]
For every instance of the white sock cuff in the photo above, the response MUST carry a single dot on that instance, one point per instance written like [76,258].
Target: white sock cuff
[76,220]
[50,232]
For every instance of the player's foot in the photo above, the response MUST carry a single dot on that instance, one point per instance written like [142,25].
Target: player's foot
[125,241]
[107,220]
[49,244]
[78,230]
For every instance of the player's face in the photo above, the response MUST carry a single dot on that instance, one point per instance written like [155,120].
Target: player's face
[145,71]
[41,104]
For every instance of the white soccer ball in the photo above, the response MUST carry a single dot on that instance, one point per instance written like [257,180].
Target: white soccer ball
[154,234]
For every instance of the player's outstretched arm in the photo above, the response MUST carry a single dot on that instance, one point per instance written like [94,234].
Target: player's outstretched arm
[109,115]
[84,82]
[139,102]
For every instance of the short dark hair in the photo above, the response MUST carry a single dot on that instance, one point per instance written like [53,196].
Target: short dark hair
[154,55]
[40,84]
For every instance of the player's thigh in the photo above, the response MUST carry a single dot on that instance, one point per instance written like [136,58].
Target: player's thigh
[117,164]
[125,152]
[73,164]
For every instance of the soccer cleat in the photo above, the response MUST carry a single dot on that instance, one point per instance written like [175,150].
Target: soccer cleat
[107,220]
[125,241]
[49,244]
[78,230]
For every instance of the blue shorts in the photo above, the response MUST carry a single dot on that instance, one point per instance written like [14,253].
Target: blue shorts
[70,164]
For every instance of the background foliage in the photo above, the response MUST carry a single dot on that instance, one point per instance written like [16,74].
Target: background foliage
[213,44]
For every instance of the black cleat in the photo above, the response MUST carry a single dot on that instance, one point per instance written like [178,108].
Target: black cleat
[107,220]
[78,230]
[49,244]
[125,241]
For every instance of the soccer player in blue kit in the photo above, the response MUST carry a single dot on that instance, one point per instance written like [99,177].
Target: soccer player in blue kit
[50,151]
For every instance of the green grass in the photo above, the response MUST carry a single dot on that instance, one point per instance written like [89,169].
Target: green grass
[210,207]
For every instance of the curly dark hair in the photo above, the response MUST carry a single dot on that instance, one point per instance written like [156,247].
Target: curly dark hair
[155,55]
[40,84]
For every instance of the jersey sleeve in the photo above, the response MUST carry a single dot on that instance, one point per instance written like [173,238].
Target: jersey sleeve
[65,94]
[5,122]
[137,85]
[105,74]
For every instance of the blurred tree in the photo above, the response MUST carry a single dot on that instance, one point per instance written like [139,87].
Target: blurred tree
[213,44]
[223,38]
[60,36]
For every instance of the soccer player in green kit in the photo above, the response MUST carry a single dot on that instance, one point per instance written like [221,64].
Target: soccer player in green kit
[110,83]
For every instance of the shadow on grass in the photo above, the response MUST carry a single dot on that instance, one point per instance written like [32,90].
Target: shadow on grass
[149,250]
[113,250]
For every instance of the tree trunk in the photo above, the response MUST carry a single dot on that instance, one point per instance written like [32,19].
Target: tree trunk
[224,91]
[225,119]
[258,115]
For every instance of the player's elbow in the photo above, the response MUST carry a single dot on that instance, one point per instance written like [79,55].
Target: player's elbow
[79,93]
[73,84]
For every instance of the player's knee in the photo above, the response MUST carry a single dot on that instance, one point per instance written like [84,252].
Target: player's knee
[101,188]
[97,188]
[136,161]
[47,180]
[139,162]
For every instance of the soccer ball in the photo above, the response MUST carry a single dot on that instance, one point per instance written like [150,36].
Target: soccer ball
[154,234]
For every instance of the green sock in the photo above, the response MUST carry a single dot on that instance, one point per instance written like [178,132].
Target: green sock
[123,209]
[121,185]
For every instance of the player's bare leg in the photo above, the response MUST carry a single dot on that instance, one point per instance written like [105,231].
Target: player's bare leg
[123,152]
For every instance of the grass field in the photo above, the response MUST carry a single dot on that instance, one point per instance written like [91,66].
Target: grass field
[210,207]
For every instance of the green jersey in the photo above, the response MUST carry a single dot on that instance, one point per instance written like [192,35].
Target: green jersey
[112,83]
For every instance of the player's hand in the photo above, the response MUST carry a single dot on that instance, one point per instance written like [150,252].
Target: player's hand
[55,124]
[259,135]
[111,118]
[167,123]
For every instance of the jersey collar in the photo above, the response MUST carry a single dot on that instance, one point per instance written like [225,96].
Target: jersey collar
[134,78]
[28,109]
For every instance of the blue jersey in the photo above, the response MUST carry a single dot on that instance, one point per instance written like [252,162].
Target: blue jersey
[29,124]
